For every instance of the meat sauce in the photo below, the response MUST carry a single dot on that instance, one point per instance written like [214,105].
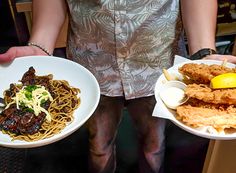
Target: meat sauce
[23,120]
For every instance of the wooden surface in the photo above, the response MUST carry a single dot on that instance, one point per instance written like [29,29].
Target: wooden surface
[220,157]
[224,29]
[23,5]
[20,23]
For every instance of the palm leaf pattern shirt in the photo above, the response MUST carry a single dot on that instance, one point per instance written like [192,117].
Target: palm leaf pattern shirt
[124,43]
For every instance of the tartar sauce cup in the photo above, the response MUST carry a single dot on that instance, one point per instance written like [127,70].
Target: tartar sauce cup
[173,94]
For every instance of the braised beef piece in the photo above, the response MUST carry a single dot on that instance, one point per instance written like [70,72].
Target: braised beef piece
[29,78]
[11,92]
[19,121]
[2,103]
[23,121]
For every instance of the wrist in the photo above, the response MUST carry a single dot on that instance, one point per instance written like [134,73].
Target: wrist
[202,53]
[42,48]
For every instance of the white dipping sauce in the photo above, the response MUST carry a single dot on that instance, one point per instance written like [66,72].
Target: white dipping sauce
[173,96]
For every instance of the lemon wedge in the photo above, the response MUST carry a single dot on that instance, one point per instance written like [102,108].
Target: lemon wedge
[226,80]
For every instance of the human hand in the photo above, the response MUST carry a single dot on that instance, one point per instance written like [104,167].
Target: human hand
[19,51]
[228,58]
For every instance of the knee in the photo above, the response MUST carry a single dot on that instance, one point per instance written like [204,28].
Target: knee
[101,146]
[154,146]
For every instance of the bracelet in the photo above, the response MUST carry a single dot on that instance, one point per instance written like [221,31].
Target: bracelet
[40,47]
[202,53]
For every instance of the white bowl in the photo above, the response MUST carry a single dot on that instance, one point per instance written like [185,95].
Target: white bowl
[61,69]
[172,94]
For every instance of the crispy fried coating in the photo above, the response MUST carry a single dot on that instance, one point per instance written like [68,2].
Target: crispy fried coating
[217,96]
[207,107]
[203,73]
[220,117]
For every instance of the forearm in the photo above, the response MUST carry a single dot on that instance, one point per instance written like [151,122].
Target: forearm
[199,19]
[48,17]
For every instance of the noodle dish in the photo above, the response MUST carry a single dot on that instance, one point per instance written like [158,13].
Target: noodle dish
[37,107]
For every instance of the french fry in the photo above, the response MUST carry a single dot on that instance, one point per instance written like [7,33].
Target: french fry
[167,75]
[224,62]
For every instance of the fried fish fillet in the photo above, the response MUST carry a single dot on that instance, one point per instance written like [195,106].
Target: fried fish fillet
[217,96]
[203,73]
[219,117]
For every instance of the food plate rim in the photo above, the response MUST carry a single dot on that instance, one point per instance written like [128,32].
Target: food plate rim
[62,135]
[169,113]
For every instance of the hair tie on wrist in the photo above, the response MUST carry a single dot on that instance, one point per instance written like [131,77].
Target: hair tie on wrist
[202,53]
[40,47]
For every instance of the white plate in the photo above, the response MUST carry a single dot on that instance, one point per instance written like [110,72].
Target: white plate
[62,69]
[162,111]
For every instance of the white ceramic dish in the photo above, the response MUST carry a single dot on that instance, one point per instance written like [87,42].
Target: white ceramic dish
[162,111]
[62,69]
[172,93]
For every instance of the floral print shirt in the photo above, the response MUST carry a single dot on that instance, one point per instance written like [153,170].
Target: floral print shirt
[124,43]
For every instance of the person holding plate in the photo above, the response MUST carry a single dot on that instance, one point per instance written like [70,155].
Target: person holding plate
[125,44]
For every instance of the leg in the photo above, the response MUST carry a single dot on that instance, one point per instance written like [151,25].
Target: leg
[102,128]
[151,133]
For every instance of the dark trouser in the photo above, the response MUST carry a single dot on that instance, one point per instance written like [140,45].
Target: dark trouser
[103,127]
